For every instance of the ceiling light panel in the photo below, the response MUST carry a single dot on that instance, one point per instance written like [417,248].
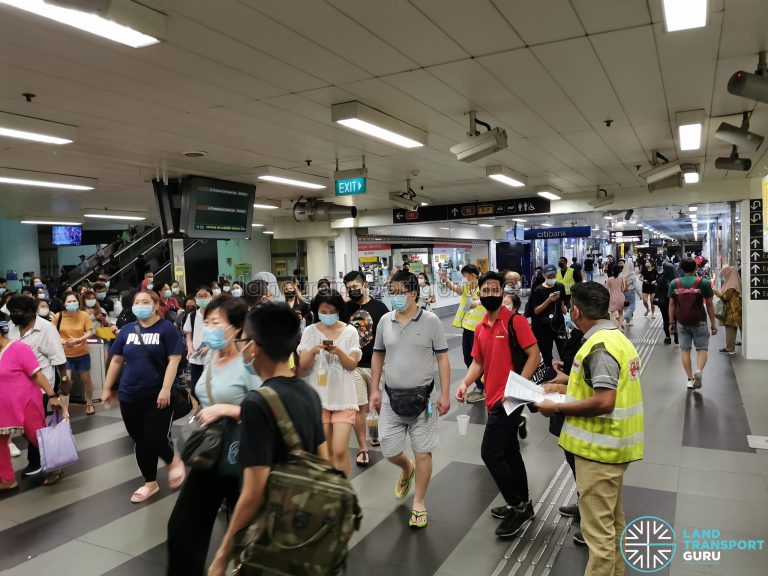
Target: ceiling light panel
[684,14]
[50,223]
[506,176]
[28,178]
[35,129]
[690,126]
[361,118]
[549,192]
[290,178]
[106,216]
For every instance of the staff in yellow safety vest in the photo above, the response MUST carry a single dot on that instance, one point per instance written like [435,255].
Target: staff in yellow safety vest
[603,424]
[468,316]
[567,277]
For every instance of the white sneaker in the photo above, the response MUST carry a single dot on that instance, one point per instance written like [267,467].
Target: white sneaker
[690,384]
[697,379]
[15,452]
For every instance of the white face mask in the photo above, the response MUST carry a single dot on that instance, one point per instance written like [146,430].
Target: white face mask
[90,303]
[43,312]
[226,288]
[550,281]
[216,292]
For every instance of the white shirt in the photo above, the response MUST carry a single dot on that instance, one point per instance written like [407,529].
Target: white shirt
[44,340]
[197,339]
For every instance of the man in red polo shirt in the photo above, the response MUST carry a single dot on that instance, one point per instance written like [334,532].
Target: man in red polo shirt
[491,356]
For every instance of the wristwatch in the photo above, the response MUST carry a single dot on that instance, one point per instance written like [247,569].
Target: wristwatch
[64,378]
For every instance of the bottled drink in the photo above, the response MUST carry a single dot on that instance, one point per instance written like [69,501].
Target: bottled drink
[372,422]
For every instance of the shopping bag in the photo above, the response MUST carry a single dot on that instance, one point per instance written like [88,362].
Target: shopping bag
[56,443]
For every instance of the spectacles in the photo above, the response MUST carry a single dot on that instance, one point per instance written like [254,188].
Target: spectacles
[242,343]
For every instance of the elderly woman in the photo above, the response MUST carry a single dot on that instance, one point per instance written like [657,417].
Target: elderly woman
[730,293]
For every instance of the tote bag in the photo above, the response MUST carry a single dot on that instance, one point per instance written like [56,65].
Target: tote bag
[56,443]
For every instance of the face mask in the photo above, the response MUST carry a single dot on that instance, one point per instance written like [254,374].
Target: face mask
[107,284]
[72,306]
[202,302]
[118,308]
[150,286]
[356,294]
[250,369]
[38,285]
[290,294]
[101,295]
[216,291]
[421,281]
[4,327]
[491,303]
[142,311]
[41,296]
[237,292]
[168,293]
[3,291]
[329,319]
[227,288]
[509,289]
[550,281]
[569,325]
[399,302]
[90,303]
[18,319]
[214,338]
[43,312]
[175,290]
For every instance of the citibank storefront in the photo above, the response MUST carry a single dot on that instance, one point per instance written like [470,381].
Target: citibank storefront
[550,244]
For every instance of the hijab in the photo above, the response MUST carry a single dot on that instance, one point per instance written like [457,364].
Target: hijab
[628,271]
[730,279]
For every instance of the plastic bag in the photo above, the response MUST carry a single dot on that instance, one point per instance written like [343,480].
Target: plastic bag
[372,423]
[322,370]
[56,443]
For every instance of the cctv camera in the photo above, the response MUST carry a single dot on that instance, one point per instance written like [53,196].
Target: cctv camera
[749,86]
[733,163]
[738,136]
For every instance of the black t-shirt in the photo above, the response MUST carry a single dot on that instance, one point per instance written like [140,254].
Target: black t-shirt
[540,294]
[589,265]
[261,443]
[365,318]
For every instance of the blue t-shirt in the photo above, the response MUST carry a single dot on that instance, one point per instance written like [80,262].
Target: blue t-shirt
[229,384]
[140,379]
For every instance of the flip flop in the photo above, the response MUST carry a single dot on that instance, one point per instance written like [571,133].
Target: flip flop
[377,443]
[365,461]
[143,494]
[403,487]
[176,475]
[418,519]
[90,410]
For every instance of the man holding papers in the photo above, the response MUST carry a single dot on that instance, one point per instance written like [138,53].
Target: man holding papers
[603,425]
[492,356]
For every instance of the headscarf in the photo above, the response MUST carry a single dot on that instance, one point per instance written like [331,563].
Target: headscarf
[669,271]
[628,271]
[730,279]
[271,280]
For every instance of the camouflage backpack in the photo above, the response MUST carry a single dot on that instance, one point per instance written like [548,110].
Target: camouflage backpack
[309,514]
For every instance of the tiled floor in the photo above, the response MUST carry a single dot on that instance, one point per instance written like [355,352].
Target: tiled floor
[698,473]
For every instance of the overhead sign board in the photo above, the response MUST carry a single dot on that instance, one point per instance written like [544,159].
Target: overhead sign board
[656,242]
[473,210]
[626,236]
[552,233]
[350,186]
[758,257]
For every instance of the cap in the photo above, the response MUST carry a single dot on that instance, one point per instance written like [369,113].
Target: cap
[549,269]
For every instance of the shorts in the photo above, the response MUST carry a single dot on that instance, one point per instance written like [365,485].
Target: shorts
[346,416]
[693,336]
[362,382]
[393,430]
[80,363]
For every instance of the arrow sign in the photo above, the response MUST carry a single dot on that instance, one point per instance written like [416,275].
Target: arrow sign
[755,281]
[755,242]
[454,212]
[755,268]
[399,215]
[755,255]
[756,217]
[755,205]
[755,294]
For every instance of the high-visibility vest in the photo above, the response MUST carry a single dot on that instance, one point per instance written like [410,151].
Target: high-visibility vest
[469,319]
[612,438]
[566,280]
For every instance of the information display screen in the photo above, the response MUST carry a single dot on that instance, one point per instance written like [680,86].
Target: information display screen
[66,235]
[218,208]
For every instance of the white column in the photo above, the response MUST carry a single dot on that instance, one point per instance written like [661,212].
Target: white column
[345,248]
[317,261]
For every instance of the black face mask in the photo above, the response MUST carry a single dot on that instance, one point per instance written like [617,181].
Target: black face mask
[290,294]
[491,303]
[356,294]
[19,319]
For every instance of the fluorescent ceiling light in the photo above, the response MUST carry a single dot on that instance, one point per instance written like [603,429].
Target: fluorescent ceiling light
[506,176]
[444,228]
[609,217]
[114,217]
[50,223]
[267,232]
[44,180]
[362,118]
[255,225]
[425,203]
[35,129]
[43,184]
[692,208]
[690,125]
[691,177]
[519,219]
[291,178]
[122,21]
[548,192]
[547,225]
[486,225]
[684,14]
[263,205]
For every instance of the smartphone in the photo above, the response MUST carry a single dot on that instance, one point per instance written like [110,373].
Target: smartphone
[327,342]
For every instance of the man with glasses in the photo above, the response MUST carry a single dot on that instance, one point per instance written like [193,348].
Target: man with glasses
[410,341]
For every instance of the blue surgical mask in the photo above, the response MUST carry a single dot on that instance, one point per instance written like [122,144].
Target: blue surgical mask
[329,319]
[251,370]
[72,307]
[214,338]
[569,325]
[550,281]
[399,302]
[168,293]
[142,311]
[101,295]
[237,292]
[3,291]
[150,286]
[39,285]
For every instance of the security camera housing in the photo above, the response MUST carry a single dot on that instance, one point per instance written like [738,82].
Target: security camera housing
[401,201]
[733,163]
[602,201]
[318,211]
[480,146]
[738,136]
[749,86]
[661,172]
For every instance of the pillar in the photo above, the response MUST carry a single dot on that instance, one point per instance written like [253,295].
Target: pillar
[317,262]
[19,250]
[345,248]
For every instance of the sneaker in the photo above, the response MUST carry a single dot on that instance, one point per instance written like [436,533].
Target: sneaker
[570,511]
[514,521]
[667,340]
[728,352]
[475,396]
[500,512]
[690,384]
[33,469]
[698,377]
[578,537]
[15,452]
[738,343]
[522,427]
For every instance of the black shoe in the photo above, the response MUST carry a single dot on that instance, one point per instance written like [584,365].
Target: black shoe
[32,469]
[578,537]
[500,512]
[514,521]
[570,511]
[522,427]
[667,340]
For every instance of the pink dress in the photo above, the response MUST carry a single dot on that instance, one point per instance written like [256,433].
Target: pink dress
[617,295]
[20,396]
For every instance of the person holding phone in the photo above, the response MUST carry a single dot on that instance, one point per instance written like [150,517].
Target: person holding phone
[329,353]
[547,313]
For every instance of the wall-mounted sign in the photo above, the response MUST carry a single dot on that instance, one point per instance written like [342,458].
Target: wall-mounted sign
[374,251]
[626,236]
[350,186]
[472,210]
[554,233]
[758,257]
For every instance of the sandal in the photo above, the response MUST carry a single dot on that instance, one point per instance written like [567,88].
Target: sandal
[377,443]
[90,410]
[402,487]
[12,485]
[418,519]
[365,461]
[54,477]
[176,475]
[143,494]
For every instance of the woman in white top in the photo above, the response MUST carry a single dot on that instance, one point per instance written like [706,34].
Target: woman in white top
[426,294]
[329,353]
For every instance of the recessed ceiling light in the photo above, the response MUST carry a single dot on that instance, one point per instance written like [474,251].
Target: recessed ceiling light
[506,176]
[290,178]
[266,205]
[547,225]
[684,14]
[361,118]
[50,223]
[114,217]
[255,225]
[486,225]
[267,232]
[36,129]
[142,26]
[693,208]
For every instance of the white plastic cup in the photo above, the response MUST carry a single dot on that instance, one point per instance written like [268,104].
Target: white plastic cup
[463,421]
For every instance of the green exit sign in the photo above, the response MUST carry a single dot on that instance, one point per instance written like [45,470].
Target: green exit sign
[350,186]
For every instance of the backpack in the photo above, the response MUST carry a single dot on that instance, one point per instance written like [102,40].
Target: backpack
[308,517]
[689,303]
[519,357]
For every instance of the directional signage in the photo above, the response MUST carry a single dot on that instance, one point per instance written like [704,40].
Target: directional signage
[626,236]
[472,210]
[758,257]
[550,233]
[350,186]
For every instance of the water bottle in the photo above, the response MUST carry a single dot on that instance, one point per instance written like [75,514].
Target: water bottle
[322,370]
[372,422]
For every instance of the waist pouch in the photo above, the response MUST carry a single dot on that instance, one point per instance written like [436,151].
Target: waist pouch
[409,402]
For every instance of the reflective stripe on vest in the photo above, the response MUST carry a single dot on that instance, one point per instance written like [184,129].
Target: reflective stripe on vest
[566,281]
[616,437]
[469,319]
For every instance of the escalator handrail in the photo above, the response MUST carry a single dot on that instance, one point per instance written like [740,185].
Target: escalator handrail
[187,249]
[147,251]
[139,239]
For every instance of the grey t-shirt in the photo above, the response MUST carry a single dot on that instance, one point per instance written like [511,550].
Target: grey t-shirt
[410,350]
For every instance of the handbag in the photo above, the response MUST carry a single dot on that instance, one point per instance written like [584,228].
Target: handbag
[105,333]
[56,443]
[720,310]
[181,398]
[409,402]
[520,358]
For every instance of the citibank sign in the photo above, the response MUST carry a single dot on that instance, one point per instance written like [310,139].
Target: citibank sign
[555,233]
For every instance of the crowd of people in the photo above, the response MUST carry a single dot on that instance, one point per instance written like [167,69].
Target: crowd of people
[341,355]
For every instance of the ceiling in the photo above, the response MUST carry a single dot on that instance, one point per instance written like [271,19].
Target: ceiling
[251,83]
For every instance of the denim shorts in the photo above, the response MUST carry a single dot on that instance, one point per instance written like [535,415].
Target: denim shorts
[80,363]
[693,336]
